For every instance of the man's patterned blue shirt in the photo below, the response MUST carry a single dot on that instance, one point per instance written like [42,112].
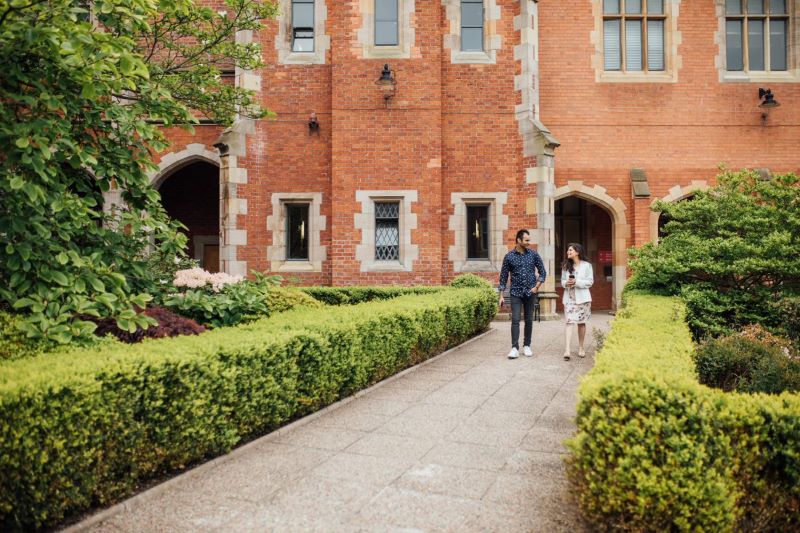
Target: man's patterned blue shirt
[523,268]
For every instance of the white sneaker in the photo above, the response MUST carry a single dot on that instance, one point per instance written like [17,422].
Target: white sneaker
[513,354]
[526,351]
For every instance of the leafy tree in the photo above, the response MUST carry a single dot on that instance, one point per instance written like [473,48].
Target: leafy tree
[731,252]
[84,102]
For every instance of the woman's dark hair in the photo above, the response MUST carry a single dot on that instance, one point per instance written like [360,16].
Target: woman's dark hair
[520,234]
[569,264]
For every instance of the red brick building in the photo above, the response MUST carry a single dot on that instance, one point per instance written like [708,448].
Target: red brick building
[565,117]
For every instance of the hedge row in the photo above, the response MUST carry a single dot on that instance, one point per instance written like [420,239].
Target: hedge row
[85,428]
[360,294]
[657,451]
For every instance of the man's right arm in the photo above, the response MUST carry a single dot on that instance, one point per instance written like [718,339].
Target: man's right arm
[503,278]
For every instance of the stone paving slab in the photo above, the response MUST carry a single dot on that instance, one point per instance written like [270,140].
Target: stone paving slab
[469,441]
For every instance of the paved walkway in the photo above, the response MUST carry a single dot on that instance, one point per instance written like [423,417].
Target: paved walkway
[470,441]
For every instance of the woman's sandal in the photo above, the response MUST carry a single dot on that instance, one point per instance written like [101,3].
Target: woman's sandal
[581,353]
[566,356]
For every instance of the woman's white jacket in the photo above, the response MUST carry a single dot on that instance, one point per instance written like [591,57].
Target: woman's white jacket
[584,278]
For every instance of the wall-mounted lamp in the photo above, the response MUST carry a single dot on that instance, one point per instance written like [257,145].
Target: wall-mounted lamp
[313,124]
[768,103]
[387,83]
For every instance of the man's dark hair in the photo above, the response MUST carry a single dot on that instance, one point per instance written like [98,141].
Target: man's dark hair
[520,233]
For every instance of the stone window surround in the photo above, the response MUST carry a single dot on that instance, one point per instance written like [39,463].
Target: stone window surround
[283,41]
[405,31]
[498,225]
[276,224]
[365,221]
[793,57]
[672,60]
[491,39]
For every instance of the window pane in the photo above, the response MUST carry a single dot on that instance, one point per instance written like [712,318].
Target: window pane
[302,15]
[477,232]
[633,45]
[385,33]
[386,10]
[755,44]
[633,6]
[777,44]
[777,6]
[655,7]
[297,231]
[655,45]
[303,45]
[733,7]
[755,6]
[387,240]
[612,53]
[471,15]
[610,6]
[733,44]
[472,39]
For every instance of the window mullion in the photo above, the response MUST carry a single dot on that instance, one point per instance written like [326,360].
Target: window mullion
[623,43]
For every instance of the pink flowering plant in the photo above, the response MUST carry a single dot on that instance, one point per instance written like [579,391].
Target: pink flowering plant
[220,299]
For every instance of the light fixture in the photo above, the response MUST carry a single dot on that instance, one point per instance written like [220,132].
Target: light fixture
[387,83]
[769,99]
[313,124]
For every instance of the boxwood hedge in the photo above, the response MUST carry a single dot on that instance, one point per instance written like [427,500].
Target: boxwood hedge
[86,428]
[361,294]
[657,451]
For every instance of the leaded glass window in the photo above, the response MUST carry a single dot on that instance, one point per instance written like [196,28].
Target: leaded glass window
[633,35]
[387,231]
[471,25]
[297,231]
[478,231]
[302,25]
[756,35]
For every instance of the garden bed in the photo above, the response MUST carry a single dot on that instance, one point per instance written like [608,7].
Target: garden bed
[84,428]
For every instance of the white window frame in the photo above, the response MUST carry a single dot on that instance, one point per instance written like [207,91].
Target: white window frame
[365,221]
[498,226]
[792,72]
[284,39]
[492,40]
[672,39]
[405,31]
[276,224]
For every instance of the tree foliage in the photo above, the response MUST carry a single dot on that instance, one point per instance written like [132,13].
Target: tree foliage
[730,251]
[84,100]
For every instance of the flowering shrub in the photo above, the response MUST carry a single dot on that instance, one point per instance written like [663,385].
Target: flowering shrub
[196,278]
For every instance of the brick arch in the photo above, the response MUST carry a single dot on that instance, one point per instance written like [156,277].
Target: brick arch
[173,161]
[675,194]
[620,229]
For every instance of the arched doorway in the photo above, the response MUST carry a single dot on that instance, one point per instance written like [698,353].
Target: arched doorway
[190,194]
[585,222]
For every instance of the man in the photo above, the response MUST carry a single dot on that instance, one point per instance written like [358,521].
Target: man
[523,264]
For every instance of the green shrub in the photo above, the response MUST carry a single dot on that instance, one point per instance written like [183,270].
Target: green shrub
[728,252]
[13,343]
[280,299]
[749,361]
[360,294]
[85,428]
[470,280]
[657,451]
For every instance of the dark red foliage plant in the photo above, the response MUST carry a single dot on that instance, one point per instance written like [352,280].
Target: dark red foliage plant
[169,325]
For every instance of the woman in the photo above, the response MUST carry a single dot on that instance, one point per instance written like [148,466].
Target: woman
[576,278]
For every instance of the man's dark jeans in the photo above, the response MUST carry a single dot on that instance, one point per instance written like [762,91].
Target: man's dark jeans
[517,305]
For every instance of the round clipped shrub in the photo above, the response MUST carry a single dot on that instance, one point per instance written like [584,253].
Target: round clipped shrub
[470,281]
[281,299]
[169,325]
[752,360]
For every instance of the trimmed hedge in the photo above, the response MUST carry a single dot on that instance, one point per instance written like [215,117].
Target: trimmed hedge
[85,428]
[657,451]
[360,294]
